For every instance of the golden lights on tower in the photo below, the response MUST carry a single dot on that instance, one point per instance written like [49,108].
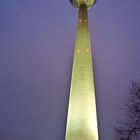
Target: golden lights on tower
[82,118]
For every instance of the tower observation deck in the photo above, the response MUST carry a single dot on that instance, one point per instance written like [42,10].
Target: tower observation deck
[82,118]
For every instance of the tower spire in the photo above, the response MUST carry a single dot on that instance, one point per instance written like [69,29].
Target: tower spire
[82,118]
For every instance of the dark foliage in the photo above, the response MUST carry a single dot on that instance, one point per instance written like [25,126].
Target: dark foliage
[129,129]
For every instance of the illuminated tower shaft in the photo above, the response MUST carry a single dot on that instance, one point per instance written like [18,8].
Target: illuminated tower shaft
[82,120]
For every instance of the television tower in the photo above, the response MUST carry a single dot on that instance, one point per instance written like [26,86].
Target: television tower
[82,118]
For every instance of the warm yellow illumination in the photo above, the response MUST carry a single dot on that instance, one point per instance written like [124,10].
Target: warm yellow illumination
[88,3]
[78,50]
[80,20]
[82,118]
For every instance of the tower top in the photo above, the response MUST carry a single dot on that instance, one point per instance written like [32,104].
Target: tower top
[77,3]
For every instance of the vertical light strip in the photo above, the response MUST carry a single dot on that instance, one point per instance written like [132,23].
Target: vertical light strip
[82,119]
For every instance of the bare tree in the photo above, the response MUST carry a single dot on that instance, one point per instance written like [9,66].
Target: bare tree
[129,128]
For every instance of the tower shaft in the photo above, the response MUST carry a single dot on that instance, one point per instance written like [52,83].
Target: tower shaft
[82,120]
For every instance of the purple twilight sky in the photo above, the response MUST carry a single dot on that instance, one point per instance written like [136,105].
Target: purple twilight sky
[36,52]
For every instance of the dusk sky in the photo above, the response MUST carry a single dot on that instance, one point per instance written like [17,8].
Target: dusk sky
[37,40]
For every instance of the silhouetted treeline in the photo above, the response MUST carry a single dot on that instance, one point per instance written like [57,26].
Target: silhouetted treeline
[129,128]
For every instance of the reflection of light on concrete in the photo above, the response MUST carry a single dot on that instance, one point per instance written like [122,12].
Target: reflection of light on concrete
[82,118]
[80,20]
[78,50]
[85,1]
[85,20]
